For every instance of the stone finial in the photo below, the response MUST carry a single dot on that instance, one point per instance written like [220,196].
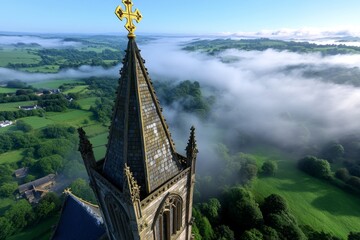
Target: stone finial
[191,149]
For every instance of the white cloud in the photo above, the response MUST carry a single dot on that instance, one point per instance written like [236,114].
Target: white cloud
[83,72]
[335,35]
[43,42]
[256,97]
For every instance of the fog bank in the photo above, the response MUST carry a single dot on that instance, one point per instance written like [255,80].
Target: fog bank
[256,97]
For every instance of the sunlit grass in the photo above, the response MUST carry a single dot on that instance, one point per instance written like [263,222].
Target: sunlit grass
[313,201]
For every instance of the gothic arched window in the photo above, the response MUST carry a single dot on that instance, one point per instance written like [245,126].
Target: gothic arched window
[119,222]
[169,218]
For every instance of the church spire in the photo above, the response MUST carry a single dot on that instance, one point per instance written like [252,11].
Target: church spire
[139,135]
[143,186]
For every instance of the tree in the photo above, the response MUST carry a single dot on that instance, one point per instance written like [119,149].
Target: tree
[211,209]
[269,233]
[247,172]
[5,143]
[6,228]
[354,169]
[223,232]
[102,110]
[274,204]
[285,225]
[7,189]
[56,131]
[316,167]
[342,174]
[54,146]
[82,189]
[51,164]
[49,204]
[203,225]
[5,173]
[354,181]
[246,215]
[23,126]
[29,178]
[333,152]
[252,234]
[354,236]
[195,232]
[241,210]
[20,214]
[269,168]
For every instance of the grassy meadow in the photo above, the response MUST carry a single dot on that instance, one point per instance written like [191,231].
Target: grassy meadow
[98,143]
[313,201]
[11,157]
[17,56]
[86,103]
[7,90]
[53,84]
[13,106]
[77,89]
[41,69]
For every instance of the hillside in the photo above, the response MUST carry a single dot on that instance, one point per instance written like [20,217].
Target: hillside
[314,202]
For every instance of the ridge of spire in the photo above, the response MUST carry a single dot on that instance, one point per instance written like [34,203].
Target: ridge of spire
[139,136]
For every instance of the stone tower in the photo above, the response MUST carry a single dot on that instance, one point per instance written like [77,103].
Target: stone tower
[143,186]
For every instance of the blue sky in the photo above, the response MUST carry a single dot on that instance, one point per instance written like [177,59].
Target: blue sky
[180,16]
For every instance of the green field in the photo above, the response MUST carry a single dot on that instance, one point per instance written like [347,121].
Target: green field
[54,84]
[95,129]
[5,129]
[314,202]
[41,231]
[7,90]
[37,122]
[77,89]
[42,69]
[97,49]
[11,157]
[86,103]
[13,106]
[17,56]
[74,118]
[98,143]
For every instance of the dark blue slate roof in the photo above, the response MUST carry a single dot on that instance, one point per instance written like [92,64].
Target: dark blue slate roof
[78,221]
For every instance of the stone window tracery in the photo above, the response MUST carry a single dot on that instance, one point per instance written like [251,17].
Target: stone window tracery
[119,222]
[169,219]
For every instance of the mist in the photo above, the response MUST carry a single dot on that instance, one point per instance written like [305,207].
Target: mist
[256,97]
[7,74]
[43,42]
[342,35]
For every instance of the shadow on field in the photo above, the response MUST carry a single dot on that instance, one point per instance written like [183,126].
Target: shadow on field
[334,203]
[304,185]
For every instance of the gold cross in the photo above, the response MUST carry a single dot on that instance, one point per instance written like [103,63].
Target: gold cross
[129,15]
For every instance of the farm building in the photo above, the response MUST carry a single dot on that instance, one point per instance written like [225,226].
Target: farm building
[21,172]
[27,108]
[35,190]
[5,123]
